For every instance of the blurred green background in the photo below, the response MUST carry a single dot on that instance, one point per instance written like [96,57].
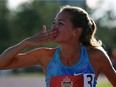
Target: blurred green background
[27,19]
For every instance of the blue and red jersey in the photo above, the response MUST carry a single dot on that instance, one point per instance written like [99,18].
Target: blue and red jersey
[79,75]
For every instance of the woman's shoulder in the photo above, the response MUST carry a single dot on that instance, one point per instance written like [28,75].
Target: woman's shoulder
[45,54]
[97,54]
[98,58]
[45,50]
[42,53]
[96,51]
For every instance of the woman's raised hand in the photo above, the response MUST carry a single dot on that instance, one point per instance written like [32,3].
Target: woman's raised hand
[42,37]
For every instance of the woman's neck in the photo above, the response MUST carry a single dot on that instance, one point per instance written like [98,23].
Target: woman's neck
[70,54]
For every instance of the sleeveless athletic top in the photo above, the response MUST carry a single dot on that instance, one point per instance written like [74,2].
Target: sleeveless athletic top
[79,75]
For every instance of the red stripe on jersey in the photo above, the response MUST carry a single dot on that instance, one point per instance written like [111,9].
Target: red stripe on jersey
[67,81]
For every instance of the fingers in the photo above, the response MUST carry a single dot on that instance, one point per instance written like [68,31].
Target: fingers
[42,37]
[49,35]
[45,35]
[52,35]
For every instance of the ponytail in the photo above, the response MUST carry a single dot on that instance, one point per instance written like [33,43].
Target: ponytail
[88,35]
[93,41]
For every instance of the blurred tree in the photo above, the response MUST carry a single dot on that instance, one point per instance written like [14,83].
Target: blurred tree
[4,26]
[24,23]
[105,21]
[47,10]
[30,17]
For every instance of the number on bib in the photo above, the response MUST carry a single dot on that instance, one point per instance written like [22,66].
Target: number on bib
[88,80]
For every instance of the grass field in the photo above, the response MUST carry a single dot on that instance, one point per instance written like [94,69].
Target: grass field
[37,80]
[103,82]
[104,85]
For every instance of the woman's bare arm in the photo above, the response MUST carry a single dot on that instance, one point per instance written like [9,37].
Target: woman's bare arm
[9,54]
[40,56]
[107,68]
[13,58]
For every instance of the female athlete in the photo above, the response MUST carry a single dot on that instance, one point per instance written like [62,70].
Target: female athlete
[76,62]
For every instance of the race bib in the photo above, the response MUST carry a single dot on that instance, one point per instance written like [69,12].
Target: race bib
[89,80]
[85,80]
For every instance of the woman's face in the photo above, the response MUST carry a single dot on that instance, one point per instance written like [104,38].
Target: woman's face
[64,27]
